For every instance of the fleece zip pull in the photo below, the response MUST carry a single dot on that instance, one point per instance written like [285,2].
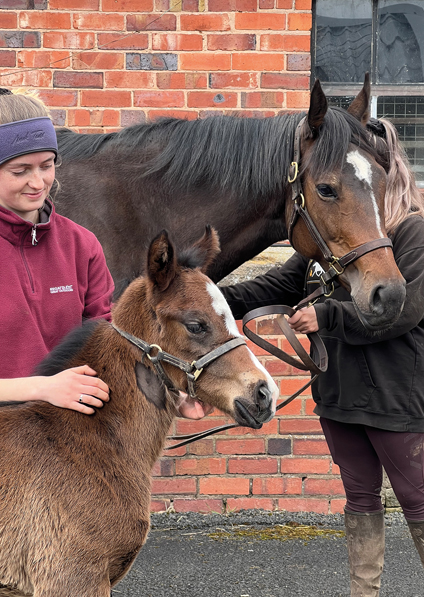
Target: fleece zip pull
[34,240]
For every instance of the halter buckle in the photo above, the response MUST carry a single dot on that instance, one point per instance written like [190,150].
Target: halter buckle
[295,166]
[197,372]
[149,356]
[337,266]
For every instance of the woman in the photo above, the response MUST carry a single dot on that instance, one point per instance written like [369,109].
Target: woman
[371,399]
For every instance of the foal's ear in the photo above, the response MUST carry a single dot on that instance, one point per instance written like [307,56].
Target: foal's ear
[318,107]
[208,247]
[360,107]
[161,261]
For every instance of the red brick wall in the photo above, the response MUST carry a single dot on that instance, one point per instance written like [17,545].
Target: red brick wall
[103,64]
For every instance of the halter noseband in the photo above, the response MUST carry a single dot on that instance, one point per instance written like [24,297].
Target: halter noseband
[192,370]
[337,265]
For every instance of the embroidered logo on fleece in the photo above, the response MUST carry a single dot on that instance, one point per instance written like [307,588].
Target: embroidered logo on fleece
[56,289]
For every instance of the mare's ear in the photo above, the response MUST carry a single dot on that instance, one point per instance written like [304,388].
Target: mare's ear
[150,385]
[360,107]
[317,108]
[161,261]
[208,247]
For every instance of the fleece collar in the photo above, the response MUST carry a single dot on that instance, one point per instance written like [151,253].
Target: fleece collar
[18,231]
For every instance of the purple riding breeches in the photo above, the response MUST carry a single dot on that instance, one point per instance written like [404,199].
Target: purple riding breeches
[361,452]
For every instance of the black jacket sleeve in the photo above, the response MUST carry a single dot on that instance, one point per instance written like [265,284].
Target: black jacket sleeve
[340,318]
[280,286]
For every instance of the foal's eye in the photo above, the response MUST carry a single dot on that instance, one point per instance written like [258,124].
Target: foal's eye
[326,191]
[195,328]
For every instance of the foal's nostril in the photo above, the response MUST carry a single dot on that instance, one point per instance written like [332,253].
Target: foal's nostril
[377,300]
[263,396]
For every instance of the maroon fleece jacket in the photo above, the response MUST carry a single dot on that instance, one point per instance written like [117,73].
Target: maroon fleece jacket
[46,288]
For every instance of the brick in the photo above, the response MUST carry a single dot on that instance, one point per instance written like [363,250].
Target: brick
[268,327]
[104,118]
[276,368]
[58,117]
[43,59]
[203,506]
[309,406]
[202,447]
[284,4]
[232,5]
[316,466]
[276,486]
[262,99]
[310,447]
[34,78]
[159,99]
[284,81]
[59,97]
[303,4]
[24,4]
[324,487]
[205,61]
[291,385]
[320,506]
[252,466]
[337,506]
[299,22]
[20,39]
[130,117]
[164,468]
[98,61]
[266,4]
[132,41]
[167,22]
[204,99]
[159,505]
[109,98]
[249,503]
[186,426]
[281,42]
[129,80]
[7,58]
[299,62]
[258,61]
[127,5]
[44,20]
[204,22]
[270,428]
[260,21]
[70,39]
[293,408]
[74,4]
[182,114]
[79,117]
[279,446]
[235,80]
[300,426]
[230,42]
[173,486]
[241,446]
[76,79]
[8,20]
[223,486]
[168,80]
[257,350]
[202,466]
[99,21]
[174,42]
[298,100]
[151,61]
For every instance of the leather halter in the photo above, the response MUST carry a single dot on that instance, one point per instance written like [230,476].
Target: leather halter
[337,265]
[192,370]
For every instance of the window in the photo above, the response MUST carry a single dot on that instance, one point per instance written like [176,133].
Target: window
[385,38]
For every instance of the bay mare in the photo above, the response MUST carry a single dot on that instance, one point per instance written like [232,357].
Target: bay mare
[232,173]
[75,489]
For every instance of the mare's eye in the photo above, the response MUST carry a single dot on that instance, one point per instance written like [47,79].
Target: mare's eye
[326,191]
[195,328]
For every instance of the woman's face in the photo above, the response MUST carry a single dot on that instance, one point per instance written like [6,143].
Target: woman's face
[25,182]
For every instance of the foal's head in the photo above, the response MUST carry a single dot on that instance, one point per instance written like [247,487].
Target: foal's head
[185,314]
[344,182]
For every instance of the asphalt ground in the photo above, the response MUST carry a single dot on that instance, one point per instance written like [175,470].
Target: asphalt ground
[238,555]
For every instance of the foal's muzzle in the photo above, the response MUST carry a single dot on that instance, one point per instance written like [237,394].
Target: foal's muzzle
[254,414]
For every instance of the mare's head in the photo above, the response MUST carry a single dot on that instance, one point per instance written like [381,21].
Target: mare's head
[344,182]
[185,314]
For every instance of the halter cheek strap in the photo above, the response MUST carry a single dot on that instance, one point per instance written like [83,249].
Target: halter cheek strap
[26,136]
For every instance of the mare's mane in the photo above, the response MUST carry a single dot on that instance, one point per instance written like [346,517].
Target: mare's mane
[243,156]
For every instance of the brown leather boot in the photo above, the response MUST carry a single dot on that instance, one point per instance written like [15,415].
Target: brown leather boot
[417,532]
[365,546]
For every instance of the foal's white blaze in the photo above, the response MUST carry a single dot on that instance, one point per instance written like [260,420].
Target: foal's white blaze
[363,171]
[220,306]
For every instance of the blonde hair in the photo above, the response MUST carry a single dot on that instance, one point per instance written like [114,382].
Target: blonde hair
[403,197]
[21,104]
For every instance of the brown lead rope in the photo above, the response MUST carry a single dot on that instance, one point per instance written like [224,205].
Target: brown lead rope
[303,362]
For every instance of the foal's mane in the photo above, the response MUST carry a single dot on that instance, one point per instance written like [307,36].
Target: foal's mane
[244,156]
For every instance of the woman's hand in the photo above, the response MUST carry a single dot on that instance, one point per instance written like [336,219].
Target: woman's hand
[304,321]
[77,389]
[189,408]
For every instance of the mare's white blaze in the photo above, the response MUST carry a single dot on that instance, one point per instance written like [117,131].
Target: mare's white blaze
[220,306]
[363,171]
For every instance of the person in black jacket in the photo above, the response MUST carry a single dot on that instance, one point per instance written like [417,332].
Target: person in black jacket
[371,399]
